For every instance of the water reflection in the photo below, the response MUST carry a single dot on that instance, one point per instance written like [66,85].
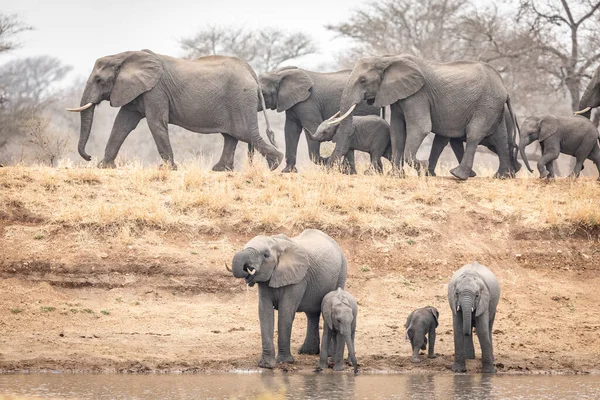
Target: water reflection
[278,385]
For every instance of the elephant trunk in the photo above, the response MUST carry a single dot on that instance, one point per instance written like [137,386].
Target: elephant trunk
[241,262]
[523,142]
[351,97]
[87,117]
[351,354]
[466,306]
[589,100]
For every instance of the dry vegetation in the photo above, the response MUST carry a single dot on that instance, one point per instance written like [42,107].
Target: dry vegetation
[122,270]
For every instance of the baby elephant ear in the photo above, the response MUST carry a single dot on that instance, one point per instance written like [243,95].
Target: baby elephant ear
[484,301]
[548,127]
[436,315]
[292,265]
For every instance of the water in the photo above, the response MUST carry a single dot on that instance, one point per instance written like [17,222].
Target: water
[269,385]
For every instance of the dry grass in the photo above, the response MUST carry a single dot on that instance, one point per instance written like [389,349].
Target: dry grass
[132,199]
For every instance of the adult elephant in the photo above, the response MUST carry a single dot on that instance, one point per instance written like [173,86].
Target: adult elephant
[293,275]
[308,98]
[591,96]
[473,294]
[456,99]
[207,95]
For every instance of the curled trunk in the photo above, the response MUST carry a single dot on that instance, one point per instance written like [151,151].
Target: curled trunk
[240,261]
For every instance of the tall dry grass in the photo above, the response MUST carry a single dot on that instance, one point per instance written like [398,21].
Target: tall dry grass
[134,199]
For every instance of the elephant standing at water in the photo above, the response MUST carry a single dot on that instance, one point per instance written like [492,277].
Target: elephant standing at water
[207,95]
[293,275]
[456,99]
[473,294]
[308,98]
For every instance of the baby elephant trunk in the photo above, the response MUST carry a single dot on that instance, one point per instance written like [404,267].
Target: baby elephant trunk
[466,306]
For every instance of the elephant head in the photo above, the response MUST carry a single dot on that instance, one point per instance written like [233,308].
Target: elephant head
[591,96]
[469,294]
[285,87]
[274,259]
[536,128]
[119,78]
[382,81]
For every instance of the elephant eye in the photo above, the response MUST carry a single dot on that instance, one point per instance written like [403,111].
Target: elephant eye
[363,79]
[267,254]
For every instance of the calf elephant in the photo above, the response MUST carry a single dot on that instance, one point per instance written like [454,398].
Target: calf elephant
[207,95]
[420,323]
[456,99]
[573,135]
[293,275]
[308,98]
[473,294]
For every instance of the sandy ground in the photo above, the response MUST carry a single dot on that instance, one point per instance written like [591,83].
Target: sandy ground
[164,302]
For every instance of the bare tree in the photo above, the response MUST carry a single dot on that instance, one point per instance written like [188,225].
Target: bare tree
[263,49]
[10,26]
[50,142]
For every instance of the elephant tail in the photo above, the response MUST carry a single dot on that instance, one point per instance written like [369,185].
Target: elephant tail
[270,133]
[517,130]
[408,335]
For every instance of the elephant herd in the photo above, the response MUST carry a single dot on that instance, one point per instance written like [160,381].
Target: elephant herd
[308,274]
[464,103]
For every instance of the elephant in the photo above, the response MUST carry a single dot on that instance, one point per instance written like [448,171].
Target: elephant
[455,99]
[308,98]
[419,323]
[371,134]
[339,310]
[591,96]
[573,135]
[473,294]
[207,95]
[293,275]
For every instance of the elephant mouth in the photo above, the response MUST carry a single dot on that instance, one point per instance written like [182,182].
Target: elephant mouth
[370,101]
[251,275]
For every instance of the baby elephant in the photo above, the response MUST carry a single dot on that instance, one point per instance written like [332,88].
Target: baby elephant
[419,323]
[573,135]
[371,134]
[339,310]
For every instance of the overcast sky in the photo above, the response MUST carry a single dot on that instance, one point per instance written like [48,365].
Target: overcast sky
[79,32]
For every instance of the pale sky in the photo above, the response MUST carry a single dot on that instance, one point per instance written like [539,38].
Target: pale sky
[79,32]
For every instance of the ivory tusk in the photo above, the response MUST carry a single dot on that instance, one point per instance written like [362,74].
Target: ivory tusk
[472,309]
[251,272]
[343,117]
[80,109]
[457,308]
[337,114]
[582,111]
[227,268]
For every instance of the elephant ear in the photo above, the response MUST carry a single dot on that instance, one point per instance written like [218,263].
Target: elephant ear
[327,311]
[294,87]
[138,73]
[484,300]
[451,297]
[435,314]
[401,78]
[548,127]
[292,265]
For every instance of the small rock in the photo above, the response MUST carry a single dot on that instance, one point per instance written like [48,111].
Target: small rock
[585,256]
[103,255]
[559,251]
[518,255]
[61,334]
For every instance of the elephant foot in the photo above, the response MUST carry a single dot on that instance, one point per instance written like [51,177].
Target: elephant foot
[285,359]
[504,174]
[415,359]
[309,348]
[289,169]
[461,172]
[168,165]
[267,362]
[430,172]
[275,161]
[544,174]
[472,174]
[488,369]
[222,167]
[397,173]
[338,367]
[107,164]
[432,356]
[458,367]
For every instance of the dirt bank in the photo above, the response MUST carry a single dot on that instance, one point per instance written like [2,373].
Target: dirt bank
[124,270]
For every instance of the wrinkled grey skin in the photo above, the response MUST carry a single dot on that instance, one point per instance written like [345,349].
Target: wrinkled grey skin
[573,135]
[308,98]
[207,95]
[473,294]
[456,99]
[371,135]
[422,322]
[507,127]
[591,96]
[293,275]
[339,310]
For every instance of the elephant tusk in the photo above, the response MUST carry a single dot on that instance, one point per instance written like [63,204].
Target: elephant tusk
[227,268]
[458,308]
[80,109]
[472,309]
[337,114]
[582,111]
[251,272]
[343,117]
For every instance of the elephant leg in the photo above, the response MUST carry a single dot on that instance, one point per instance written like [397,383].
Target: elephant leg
[349,166]
[375,163]
[324,346]
[550,168]
[459,355]
[413,141]
[398,139]
[437,147]
[287,308]
[292,131]
[595,157]
[225,163]
[339,352]
[463,171]
[499,144]
[485,340]
[581,155]
[267,327]
[268,151]
[550,154]
[125,122]
[458,148]
[431,351]
[158,123]
[311,342]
